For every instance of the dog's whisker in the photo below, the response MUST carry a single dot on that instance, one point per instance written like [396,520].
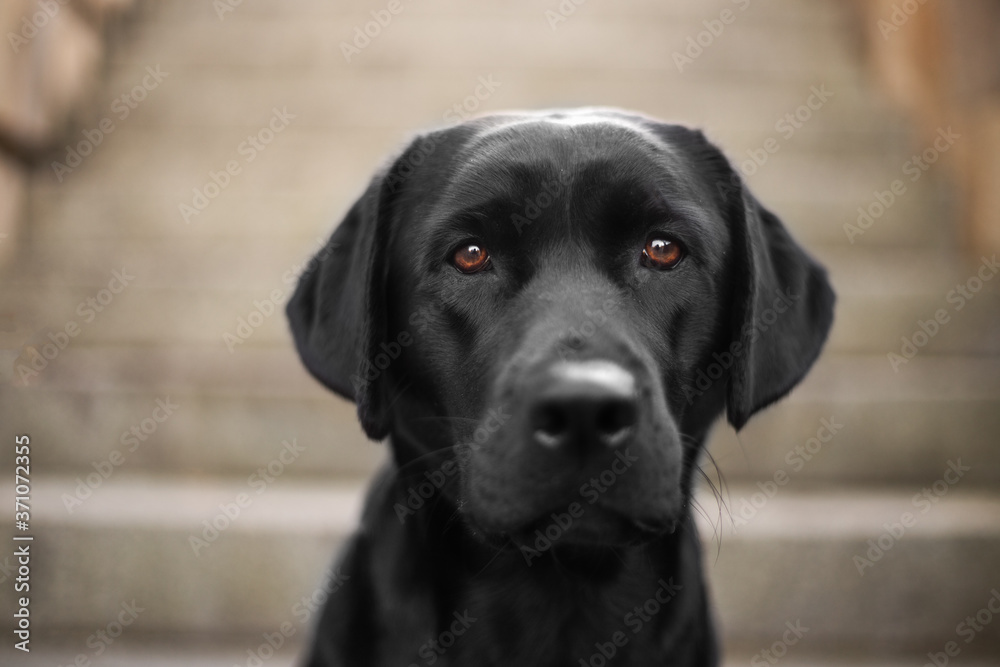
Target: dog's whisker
[455,515]
[716,526]
[446,419]
[717,490]
[499,550]
[743,450]
[421,459]
[399,391]
[720,505]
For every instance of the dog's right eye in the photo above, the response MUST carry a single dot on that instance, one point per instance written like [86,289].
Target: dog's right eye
[662,253]
[470,258]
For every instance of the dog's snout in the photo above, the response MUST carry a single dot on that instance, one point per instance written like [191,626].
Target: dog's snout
[584,405]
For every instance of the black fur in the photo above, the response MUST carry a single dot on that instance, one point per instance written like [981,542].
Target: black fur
[470,551]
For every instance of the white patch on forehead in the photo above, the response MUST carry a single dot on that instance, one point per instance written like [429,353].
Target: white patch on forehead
[588,119]
[572,118]
[565,121]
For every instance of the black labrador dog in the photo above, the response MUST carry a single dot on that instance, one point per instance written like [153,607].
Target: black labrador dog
[544,313]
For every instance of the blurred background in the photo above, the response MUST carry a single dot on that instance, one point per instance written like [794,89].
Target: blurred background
[166,169]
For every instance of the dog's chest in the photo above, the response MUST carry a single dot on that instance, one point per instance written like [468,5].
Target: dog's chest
[517,624]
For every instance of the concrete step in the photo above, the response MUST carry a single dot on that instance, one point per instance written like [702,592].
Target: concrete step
[252,577]
[196,430]
[883,296]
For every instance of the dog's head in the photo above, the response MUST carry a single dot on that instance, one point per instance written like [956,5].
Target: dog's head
[560,304]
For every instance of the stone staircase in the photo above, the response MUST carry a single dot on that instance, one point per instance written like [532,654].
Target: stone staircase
[147,426]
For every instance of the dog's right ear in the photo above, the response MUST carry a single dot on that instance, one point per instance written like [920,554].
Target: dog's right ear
[337,313]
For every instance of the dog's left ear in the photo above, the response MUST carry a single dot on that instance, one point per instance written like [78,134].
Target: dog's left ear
[782,314]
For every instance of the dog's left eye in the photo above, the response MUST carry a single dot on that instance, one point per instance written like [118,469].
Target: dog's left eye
[470,258]
[662,253]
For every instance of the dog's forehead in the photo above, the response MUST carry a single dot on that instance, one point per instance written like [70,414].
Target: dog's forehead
[506,155]
[531,179]
[570,138]
[505,159]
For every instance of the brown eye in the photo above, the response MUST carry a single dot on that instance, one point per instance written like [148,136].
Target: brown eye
[662,253]
[470,258]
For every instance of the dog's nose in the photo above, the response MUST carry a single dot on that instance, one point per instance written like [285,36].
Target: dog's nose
[584,405]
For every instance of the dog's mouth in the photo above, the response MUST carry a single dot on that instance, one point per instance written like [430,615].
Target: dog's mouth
[582,526]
